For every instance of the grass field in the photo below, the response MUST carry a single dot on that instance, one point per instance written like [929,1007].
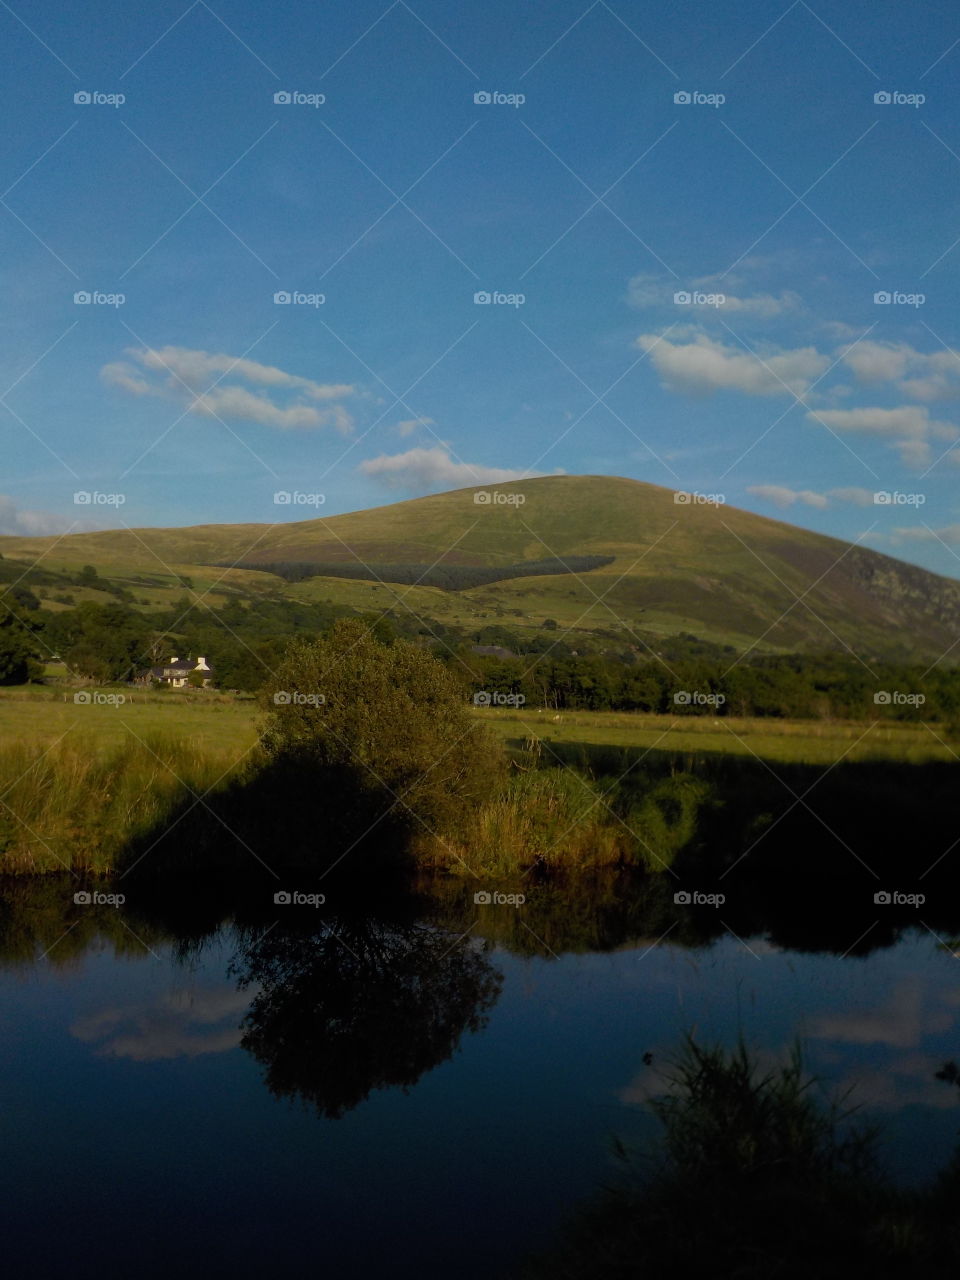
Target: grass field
[788,741]
[227,724]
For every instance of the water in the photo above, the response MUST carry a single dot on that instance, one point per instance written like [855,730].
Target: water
[423,1094]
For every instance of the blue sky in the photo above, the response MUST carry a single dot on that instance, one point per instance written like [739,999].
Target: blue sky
[782,210]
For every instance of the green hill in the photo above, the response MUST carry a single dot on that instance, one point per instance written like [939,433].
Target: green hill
[719,572]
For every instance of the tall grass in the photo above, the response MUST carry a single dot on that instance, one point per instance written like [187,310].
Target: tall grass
[757,1175]
[74,806]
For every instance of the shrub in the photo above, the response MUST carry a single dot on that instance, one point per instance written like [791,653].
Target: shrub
[386,721]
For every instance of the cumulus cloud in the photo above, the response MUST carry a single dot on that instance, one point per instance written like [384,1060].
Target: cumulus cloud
[279,399]
[408,425]
[22,523]
[783,497]
[703,365]
[923,376]
[646,290]
[950,534]
[433,470]
[908,428]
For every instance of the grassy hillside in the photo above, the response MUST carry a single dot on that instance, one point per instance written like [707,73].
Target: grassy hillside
[722,573]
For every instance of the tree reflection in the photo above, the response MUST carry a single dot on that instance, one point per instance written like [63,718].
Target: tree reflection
[359,1004]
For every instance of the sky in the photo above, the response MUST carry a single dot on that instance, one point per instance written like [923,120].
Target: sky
[362,252]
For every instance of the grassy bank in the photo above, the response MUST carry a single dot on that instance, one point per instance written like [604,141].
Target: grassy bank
[77,804]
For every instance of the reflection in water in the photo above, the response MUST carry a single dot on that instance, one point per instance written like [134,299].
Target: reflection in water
[360,1004]
[181,1024]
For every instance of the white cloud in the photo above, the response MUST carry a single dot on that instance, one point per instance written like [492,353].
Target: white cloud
[433,470]
[908,428]
[859,497]
[409,425]
[929,377]
[950,534]
[19,522]
[783,497]
[704,365]
[646,290]
[283,400]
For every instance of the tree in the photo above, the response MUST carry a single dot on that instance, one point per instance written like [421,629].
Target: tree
[390,720]
[18,651]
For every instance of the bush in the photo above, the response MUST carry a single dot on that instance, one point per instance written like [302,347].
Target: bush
[386,720]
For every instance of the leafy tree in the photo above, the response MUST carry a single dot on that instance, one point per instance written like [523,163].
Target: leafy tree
[391,719]
[18,649]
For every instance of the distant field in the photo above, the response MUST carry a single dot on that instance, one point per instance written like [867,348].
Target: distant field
[226,723]
[790,741]
[219,721]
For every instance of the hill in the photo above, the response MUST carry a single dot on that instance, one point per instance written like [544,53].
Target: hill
[664,567]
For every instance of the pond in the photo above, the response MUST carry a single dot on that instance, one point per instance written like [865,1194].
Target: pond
[425,1089]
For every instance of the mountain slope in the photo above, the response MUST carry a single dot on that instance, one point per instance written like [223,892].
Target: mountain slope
[720,572]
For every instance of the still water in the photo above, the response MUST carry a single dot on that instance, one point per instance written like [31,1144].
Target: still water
[420,1092]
